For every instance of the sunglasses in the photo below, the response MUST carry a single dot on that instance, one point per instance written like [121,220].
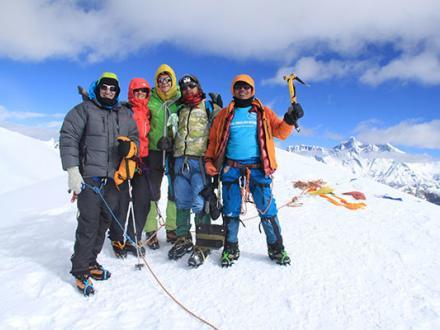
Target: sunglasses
[190,85]
[164,80]
[141,90]
[244,86]
[108,88]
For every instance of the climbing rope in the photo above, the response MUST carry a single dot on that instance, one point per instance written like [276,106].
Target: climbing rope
[97,190]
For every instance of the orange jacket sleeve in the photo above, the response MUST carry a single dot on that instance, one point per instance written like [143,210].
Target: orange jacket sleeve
[213,139]
[280,129]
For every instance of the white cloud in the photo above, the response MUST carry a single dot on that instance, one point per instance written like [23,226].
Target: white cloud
[34,124]
[249,29]
[25,115]
[40,29]
[311,70]
[423,68]
[41,132]
[409,133]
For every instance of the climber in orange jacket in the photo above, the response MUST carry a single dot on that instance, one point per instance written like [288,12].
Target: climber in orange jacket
[241,146]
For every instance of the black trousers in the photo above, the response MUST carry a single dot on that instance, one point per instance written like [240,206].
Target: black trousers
[94,219]
[141,206]
[155,172]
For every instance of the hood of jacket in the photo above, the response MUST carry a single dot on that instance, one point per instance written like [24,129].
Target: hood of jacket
[172,93]
[137,83]
[92,96]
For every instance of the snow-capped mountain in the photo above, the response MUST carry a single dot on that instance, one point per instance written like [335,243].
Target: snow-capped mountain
[383,162]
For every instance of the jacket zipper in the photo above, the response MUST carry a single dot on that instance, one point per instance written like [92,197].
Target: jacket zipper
[187,130]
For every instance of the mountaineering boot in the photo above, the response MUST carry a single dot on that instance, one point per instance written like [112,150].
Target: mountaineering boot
[119,249]
[132,249]
[183,245]
[151,240]
[84,284]
[276,252]
[171,236]
[198,256]
[230,253]
[99,273]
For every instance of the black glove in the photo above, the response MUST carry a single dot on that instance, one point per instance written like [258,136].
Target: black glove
[215,207]
[123,148]
[294,113]
[165,143]
[217,99]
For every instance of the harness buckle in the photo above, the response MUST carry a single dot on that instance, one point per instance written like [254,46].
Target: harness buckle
[242,181]
[185,167]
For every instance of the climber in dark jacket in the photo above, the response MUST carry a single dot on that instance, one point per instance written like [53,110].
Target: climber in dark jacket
[91,153]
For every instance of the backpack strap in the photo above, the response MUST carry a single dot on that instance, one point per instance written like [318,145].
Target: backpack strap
[211,110]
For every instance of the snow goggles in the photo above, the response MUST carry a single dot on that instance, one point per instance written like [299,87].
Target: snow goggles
[164,80]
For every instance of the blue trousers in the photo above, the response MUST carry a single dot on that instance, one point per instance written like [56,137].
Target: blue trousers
[188,184]
[261,191]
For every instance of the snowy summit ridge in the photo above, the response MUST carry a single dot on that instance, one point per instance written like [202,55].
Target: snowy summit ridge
[383,162]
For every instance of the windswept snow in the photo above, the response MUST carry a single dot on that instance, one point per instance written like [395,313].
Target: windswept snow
[376,268]
[26,160]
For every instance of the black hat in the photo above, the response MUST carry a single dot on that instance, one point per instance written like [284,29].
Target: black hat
[110,79]
[187,80]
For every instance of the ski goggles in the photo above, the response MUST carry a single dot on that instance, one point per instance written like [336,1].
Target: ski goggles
[110,88]
[164,80]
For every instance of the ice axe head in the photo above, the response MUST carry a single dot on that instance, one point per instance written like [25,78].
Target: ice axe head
[290,82]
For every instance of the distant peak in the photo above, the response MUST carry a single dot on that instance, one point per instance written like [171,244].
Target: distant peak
[353,144]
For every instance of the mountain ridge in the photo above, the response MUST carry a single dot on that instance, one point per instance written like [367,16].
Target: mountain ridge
[383,162]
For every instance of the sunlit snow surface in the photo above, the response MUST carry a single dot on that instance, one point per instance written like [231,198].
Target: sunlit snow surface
[376,268]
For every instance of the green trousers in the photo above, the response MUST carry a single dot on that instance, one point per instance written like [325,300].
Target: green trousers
[152,219]
[183,221]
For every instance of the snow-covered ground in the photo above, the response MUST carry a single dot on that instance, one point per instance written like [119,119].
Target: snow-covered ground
[376,268]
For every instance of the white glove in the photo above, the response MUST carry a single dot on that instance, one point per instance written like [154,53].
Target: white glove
[173,122]
[75,180]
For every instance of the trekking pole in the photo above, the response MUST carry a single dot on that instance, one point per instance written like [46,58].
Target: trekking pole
[138,266]
[292,91]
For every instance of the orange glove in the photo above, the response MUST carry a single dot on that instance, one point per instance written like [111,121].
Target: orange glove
[210,169]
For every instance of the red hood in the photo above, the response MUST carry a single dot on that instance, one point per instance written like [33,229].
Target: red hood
[137,83]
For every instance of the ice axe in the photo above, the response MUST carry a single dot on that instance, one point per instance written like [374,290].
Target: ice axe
[292,91]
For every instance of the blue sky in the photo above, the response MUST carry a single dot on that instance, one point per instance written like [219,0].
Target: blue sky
[373,69]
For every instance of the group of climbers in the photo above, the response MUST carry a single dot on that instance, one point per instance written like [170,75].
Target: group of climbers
[108,147]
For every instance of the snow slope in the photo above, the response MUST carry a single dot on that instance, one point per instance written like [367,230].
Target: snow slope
[375,268]
[26,160]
